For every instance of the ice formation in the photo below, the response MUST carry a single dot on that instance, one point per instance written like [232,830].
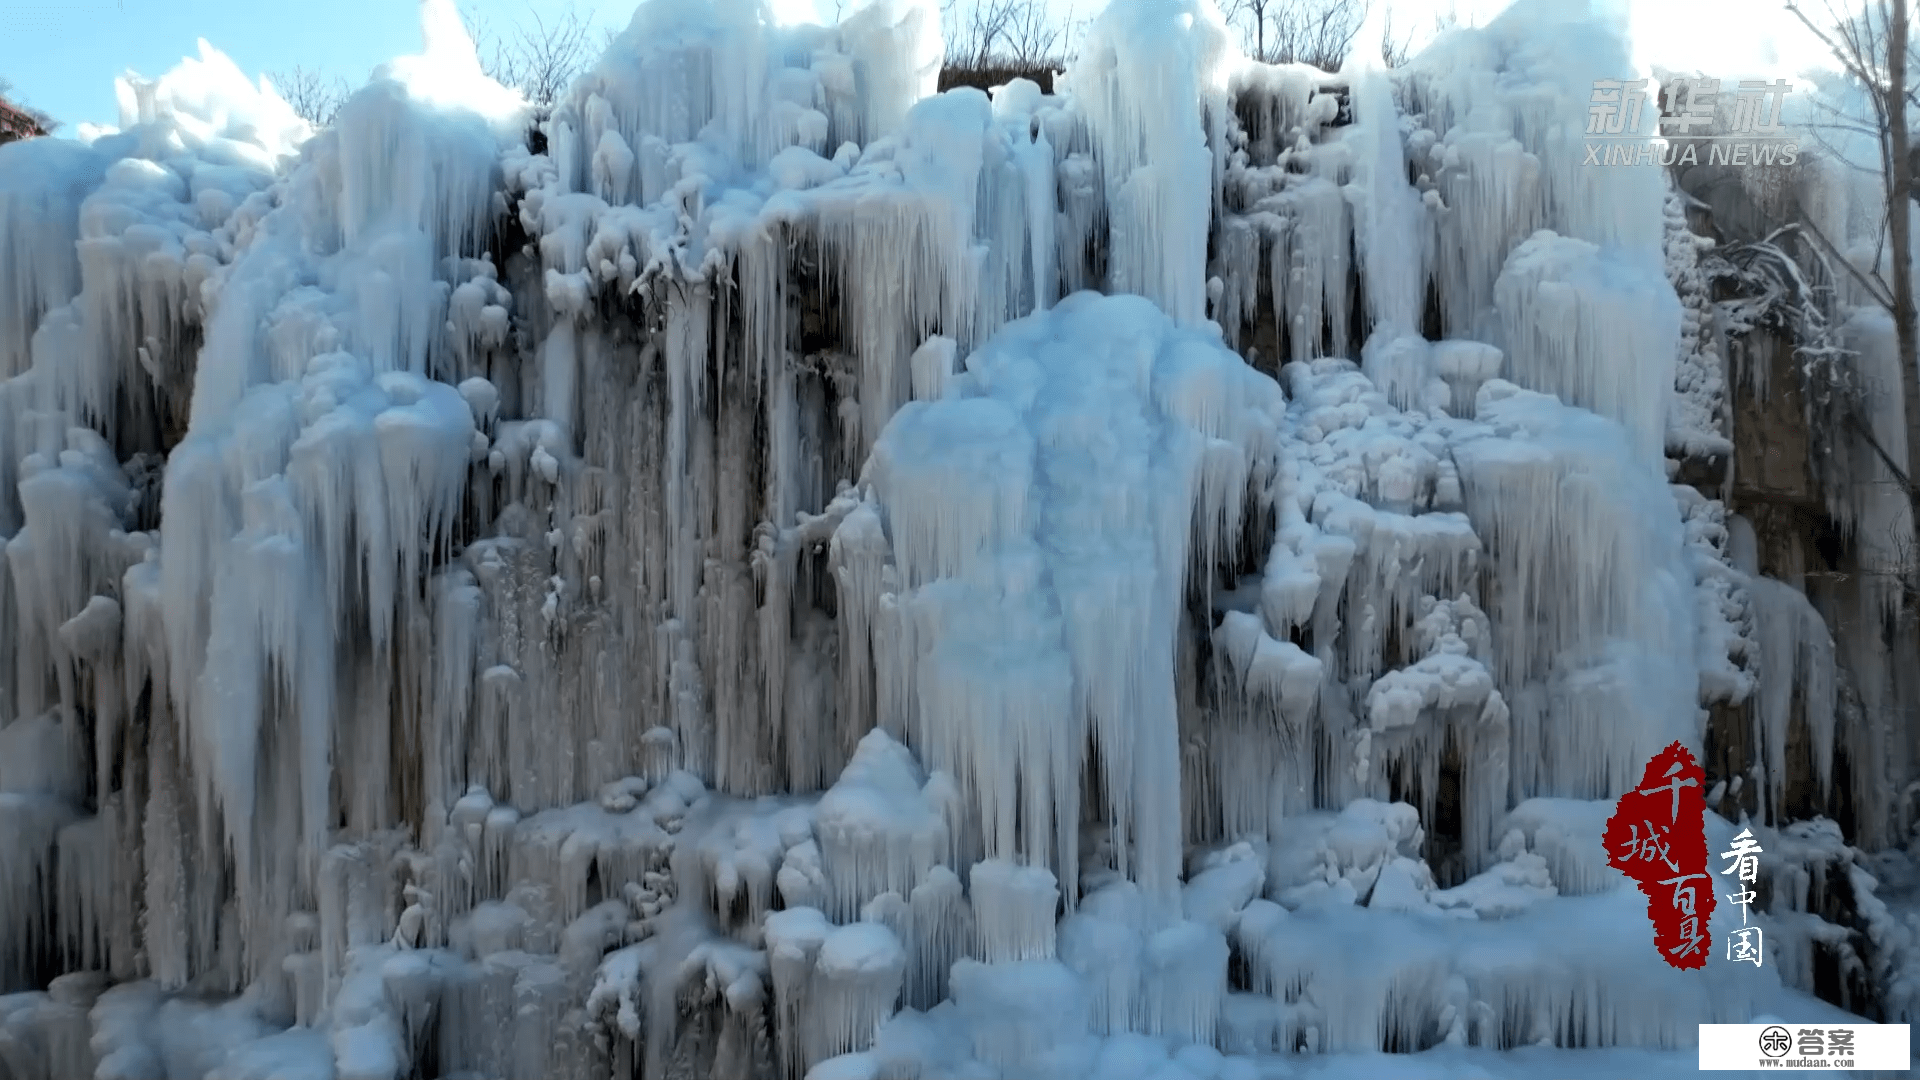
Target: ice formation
[772,571]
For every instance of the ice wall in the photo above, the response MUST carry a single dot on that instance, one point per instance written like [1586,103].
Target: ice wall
[806,576]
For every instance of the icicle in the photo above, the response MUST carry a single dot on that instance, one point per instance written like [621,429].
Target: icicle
[1599,618]
[1018,1010]
[857,981]
[1390,223]
[405,156]
[1597,328]
[878,830]
[1465,366]
[794,940]
[1103,651]
[1871,507]
[943,927]
[1102,945]
[1796,667]
[42,183]
[932,368]
[1184,982]
[1014,910]
[1141,69]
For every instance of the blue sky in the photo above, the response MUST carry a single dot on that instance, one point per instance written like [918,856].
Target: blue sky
[62,55]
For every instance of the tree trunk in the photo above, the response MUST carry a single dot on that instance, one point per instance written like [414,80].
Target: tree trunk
[1900,228]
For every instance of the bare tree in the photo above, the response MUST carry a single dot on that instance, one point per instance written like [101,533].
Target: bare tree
[1317,32]
[1073,32]
[539,57]
[1250,18]
[974,32]
[314,97]
[1032,36]
[552,52]
[1004,35]
[48,125]
[1396,51]
[1872,47]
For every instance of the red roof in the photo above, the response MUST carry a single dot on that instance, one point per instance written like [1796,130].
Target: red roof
[15,124]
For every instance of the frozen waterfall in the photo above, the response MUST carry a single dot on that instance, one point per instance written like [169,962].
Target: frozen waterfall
[803,576]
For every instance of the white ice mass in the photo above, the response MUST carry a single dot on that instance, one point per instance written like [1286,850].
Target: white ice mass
[774,572]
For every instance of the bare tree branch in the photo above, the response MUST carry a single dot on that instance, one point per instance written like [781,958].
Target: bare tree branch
[539,57]
[48,125]
[1032,36]
[1873,46]
[1395,53]
[1317,32]
[553,52]
[1250,17]
[1874,287]
[314,97]
[1006,37]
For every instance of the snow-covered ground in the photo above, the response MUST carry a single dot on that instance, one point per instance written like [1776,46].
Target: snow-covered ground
[800,576]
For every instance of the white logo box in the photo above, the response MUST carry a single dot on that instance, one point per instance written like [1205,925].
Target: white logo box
[1791,1047]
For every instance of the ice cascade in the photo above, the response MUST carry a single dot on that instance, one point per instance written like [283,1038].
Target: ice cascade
[769,570]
